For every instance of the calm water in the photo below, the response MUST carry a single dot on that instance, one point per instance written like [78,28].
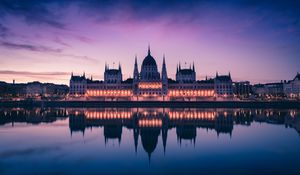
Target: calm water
[149,141]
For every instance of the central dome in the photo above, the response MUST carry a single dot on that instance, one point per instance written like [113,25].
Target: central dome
[149,70]
[149,61]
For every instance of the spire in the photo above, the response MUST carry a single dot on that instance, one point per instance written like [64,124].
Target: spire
[72,74]
[135,61]
[217,74]
[83,74]
[164,138]
[193,67]
[206,77]
[229,74]
[106,67]
[120,69]
[91,77]
[136,139]
[149,52]
[179,66]
[135,71]
[164,70]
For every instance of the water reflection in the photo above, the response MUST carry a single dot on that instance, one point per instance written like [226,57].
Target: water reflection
[152,124]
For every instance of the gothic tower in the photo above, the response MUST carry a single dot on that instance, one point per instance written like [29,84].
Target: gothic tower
[164,77]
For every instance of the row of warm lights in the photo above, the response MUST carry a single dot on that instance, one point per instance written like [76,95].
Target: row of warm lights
[150,123]
[150,85]
[109,92]
[108,115]
[192,115]
[185,92]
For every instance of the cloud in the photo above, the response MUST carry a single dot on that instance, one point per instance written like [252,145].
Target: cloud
[33,11]
[37,48]
[3,31]
[59,41]
[26,76]
[28,151]
[79,57]
[28,73]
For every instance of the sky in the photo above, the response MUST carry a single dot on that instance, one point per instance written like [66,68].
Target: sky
[254,40]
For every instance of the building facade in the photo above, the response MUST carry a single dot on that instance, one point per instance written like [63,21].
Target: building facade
[242,89]
[223,85]
[292,88]
[150,84]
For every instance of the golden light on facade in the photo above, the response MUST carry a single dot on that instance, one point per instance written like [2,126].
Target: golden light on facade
[190,93]
[150,123]
[150,85]
[108,115]
[192,115]
[112,92]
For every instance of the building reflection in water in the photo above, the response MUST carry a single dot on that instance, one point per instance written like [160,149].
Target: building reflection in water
[151,123]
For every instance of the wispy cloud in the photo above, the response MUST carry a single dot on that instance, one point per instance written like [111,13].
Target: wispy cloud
[79,57]
[4,31]
[27,76]
[28,73]
[29,151]
[38,48]
[45,49]
[33,11]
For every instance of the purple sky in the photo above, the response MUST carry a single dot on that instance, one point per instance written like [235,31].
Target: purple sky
[46,40]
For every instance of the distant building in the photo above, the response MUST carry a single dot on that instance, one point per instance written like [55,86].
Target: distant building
[34,89]
[269,90]
[242,89]
[292,87]
[223,85]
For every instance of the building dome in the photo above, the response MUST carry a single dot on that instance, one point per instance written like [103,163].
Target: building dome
[149,71]
[149,61]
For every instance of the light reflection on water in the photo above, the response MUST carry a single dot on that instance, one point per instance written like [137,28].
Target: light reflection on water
[149,141]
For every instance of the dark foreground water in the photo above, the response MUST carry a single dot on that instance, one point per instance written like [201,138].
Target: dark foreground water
[149,141]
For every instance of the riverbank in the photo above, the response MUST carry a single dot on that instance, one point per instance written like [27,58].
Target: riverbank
[154,104]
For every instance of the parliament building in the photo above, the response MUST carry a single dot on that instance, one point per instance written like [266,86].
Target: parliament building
[149,84]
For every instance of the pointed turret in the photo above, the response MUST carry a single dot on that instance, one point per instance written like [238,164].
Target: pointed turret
[136,139]
[83,74]
[179,66]
[135,71]
[120,68]
[217,74]
[106,67]
[193,67]
[149,52]
[164,77]
[164,138]
[164,70]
